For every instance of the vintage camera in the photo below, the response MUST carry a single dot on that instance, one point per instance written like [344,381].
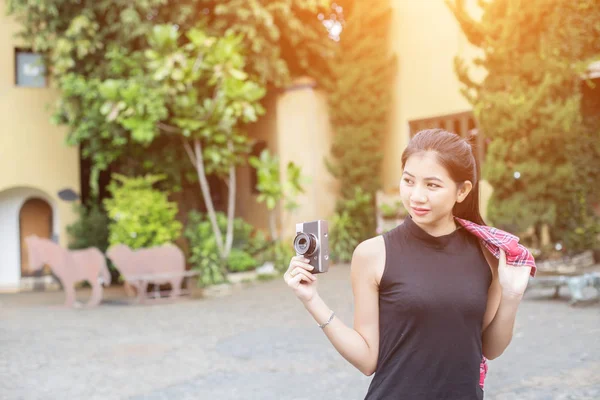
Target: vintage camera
[312,242]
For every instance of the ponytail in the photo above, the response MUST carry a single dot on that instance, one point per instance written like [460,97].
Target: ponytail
[469,208]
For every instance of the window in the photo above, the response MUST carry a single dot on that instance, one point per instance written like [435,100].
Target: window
[462,124]
[590,101]
[259,146]
[29,69]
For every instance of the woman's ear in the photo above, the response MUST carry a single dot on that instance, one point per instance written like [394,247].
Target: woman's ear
[463,191]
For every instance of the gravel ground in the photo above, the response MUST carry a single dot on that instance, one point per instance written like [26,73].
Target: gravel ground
[256,343]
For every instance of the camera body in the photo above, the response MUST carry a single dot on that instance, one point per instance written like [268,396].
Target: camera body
[312,242]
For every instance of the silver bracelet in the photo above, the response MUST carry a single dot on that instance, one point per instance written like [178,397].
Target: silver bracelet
[328,321]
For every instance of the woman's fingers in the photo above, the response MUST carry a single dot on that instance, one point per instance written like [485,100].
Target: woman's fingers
[301,264]
[295,281]
[297,275]
[502,257]
[301,271]
[298,265]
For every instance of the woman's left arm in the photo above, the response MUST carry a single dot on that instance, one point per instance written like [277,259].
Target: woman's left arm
[510,286]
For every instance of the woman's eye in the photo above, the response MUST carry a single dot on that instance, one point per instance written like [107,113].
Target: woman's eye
[433,185]
[407,180]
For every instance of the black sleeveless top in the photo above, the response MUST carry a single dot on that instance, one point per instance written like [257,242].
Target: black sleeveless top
[432,298]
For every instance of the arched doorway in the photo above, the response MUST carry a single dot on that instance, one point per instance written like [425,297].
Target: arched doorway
[35,218]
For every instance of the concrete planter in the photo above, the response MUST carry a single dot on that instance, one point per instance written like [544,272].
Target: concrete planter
[240,277]
[221,290]
[237,280]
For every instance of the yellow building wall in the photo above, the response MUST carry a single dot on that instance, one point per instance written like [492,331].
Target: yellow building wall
[34,158]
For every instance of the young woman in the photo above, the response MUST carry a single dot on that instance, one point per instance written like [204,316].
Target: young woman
[429,301]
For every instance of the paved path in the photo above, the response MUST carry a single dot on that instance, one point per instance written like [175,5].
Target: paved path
[258,343]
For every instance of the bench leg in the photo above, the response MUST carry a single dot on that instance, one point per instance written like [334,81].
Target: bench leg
[576,286]
[556,292]
[142,287]
[176,287]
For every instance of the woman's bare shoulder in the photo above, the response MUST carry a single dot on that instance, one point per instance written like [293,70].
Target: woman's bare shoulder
[372,247]
[370,255]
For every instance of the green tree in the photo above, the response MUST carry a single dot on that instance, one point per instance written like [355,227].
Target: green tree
[541,150]
[194,86]
[86,44]
[140,216]
[360,100]
[170,70]
[282,38]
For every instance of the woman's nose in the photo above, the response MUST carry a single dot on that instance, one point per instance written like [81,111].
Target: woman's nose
[418,196]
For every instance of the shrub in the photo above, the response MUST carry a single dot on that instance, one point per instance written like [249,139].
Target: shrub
[240,260]
[90,229]
[347,229]
[205,253]
[140,216]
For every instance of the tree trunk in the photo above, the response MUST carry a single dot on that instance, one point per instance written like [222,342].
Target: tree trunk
[230,206]
[272,224]
[197,159]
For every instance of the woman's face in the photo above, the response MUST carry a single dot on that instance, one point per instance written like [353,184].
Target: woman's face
[427,190]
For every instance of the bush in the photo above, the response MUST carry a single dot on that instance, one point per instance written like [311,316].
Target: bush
[240,260]
[205,253]
[347,228]
[140,215]
[264,250]
[258,246]
[342,241]
[280,253]
[251,248]
[90,229]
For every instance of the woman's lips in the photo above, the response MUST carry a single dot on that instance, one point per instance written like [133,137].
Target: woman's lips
[420,211]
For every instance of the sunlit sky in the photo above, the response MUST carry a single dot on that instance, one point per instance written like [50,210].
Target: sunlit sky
[332,23]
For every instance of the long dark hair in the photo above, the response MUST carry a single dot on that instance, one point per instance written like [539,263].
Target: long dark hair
[457,156]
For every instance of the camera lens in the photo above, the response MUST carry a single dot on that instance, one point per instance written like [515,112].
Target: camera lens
[305,244]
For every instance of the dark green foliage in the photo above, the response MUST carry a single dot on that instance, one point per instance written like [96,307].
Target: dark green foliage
[347,229]
[360,99]
[542,156]
[90,229]
[205,253]
[89,43]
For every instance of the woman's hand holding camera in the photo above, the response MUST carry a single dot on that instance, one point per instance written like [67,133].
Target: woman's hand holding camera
[300,279]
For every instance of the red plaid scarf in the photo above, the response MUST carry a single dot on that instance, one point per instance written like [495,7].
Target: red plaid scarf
[495,239]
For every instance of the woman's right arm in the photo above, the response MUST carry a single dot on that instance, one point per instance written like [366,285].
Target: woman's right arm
[358,345]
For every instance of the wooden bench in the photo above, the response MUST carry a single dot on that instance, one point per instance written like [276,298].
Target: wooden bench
[576,273]
[141,281]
